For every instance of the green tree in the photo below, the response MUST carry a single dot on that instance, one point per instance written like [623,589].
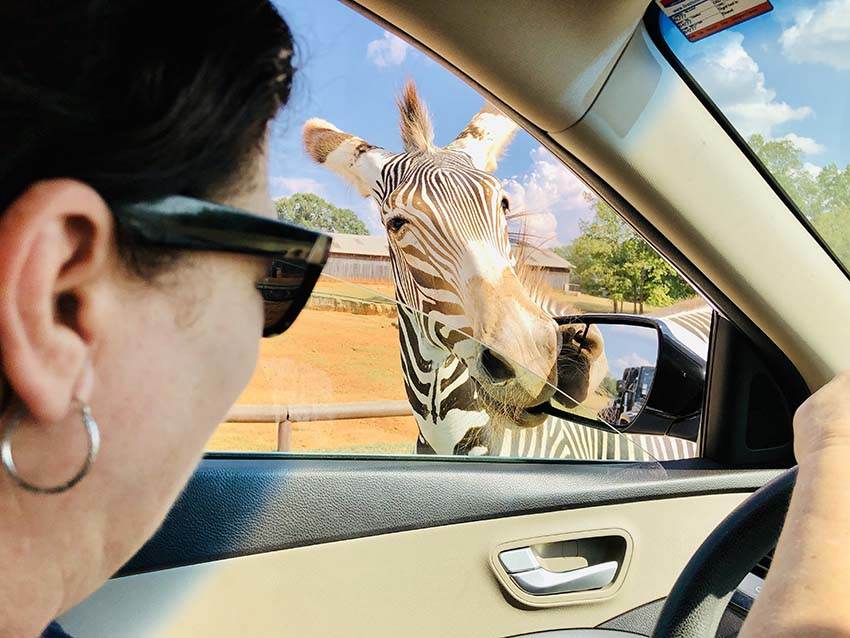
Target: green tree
[834,226]
[784,160]
[833,187]
[609,384]
[613,261]
[314,212]
[824,199]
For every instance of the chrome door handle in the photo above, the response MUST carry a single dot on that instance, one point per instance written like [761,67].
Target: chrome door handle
[541,581]
[526,572]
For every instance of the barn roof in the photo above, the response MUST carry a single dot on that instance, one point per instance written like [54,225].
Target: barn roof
[376,246]
[545,258]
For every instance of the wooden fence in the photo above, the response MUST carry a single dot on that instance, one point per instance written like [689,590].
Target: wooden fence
[285,415]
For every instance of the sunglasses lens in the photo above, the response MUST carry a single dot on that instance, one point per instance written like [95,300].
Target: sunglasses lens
[285,291]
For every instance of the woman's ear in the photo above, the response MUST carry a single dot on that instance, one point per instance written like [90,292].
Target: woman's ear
[352,158]
[56,240]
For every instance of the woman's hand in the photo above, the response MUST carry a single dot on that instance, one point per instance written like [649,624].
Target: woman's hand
[823,421]
[805,592]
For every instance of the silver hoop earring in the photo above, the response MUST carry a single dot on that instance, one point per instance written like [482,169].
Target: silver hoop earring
[92,432]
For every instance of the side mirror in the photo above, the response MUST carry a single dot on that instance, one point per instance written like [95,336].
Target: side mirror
[628,372]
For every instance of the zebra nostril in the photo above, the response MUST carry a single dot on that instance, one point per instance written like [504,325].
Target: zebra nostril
[496,366]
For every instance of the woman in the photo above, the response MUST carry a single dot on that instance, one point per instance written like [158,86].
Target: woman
[130,318]
[123,315]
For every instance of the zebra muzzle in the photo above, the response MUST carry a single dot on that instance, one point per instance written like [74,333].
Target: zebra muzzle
[496,367]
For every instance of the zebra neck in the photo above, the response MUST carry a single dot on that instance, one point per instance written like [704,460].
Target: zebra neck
[426,357]
[441,393]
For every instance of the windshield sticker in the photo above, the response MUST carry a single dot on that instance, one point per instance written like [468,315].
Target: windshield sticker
[698,19]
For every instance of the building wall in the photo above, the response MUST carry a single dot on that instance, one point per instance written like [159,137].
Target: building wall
[359,268]
[558,279]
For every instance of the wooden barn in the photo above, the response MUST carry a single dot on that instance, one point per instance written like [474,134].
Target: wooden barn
[366,258]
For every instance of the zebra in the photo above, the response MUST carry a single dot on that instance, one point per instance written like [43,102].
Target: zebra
[478,353]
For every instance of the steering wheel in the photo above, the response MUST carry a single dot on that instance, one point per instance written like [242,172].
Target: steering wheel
[703,590]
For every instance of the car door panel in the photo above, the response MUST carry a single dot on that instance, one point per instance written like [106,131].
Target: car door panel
[244,504]
[325,547]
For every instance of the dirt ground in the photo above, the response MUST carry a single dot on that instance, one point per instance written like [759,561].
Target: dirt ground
[326,357]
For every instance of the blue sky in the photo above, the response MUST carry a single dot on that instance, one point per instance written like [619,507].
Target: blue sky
[628,347]
[784,74]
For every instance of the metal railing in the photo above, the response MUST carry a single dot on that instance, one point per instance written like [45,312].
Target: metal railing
[285,415]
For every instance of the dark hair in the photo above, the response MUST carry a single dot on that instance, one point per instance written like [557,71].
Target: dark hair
[138,98]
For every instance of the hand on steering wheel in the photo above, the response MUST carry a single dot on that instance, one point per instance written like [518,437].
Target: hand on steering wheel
[703,590]
[818,516]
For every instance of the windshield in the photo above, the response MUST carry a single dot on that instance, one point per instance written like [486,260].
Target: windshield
[782,79]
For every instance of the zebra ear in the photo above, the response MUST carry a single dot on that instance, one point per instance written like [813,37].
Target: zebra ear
[350,157]
[485,138]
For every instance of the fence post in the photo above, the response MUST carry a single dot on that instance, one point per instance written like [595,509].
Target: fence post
[284,433]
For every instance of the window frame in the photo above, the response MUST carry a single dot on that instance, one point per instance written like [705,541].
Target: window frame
[652,22]
[716,446]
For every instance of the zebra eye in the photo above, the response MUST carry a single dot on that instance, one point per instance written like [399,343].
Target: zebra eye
[396,223]
[505,204]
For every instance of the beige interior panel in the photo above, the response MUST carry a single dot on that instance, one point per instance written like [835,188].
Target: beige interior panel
[650,138]
[555,64]
[431,582]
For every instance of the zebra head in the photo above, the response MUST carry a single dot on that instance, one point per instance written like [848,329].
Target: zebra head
[445,219]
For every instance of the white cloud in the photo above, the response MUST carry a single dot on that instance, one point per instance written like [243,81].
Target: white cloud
[812,169]
[387,51]
[288,185]
[549,198]
[805,144]
[734,81]
[820,34]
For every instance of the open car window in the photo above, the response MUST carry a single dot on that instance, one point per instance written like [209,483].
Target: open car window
[457,243]
[782,81]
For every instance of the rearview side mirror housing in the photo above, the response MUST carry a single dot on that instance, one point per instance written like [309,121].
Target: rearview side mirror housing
[660,397]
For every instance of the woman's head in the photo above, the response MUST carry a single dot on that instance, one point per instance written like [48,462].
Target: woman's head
[139,99]
[104,103]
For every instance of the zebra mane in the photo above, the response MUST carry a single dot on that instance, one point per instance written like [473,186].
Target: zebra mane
[417,134]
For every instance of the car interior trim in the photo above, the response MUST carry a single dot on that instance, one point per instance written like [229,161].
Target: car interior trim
[406,582]
[240,504]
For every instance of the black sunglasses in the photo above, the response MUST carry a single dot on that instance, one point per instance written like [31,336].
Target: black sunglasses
[297,254]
